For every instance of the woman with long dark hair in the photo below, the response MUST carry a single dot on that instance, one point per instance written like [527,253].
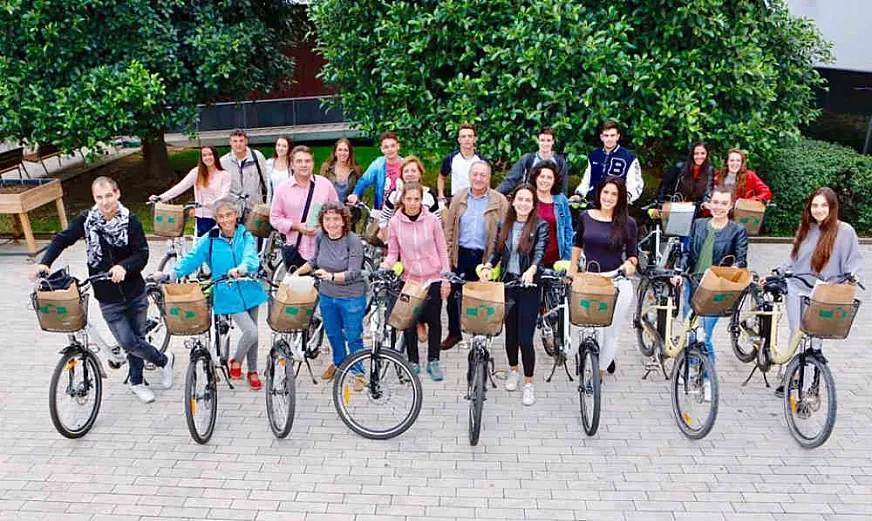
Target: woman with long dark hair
[520,245]
[279,166]
[692,180]
[607,236]
[210,184]
[823,245]
[553,208]
[341,168]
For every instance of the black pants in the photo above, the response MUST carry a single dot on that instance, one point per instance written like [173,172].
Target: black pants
[467,260]
[432,316]
[522,310]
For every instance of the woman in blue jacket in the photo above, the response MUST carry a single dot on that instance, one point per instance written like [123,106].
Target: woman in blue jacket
[230,249]
[553,208]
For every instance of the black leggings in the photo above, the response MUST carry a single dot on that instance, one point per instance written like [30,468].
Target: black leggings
[432,316]
[522,309]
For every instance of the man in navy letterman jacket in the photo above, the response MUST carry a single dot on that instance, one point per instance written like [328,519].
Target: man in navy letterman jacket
[611,160]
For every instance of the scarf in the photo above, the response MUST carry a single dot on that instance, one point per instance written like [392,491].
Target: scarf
[114,232]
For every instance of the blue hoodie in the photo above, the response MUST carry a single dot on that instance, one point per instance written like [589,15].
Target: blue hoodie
[378,173]
[222,254]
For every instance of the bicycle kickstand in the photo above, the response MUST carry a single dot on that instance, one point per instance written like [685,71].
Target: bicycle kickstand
[553,369]
[226,370]
[566,368]
[311,374]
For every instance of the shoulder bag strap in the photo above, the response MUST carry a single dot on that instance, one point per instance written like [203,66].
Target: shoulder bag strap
[306,209]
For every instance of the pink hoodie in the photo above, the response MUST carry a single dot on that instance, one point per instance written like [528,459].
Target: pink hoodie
[421,246]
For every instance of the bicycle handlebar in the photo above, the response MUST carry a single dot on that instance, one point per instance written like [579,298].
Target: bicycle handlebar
[189,206]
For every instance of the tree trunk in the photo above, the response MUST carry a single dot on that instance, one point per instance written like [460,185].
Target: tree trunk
[157,160]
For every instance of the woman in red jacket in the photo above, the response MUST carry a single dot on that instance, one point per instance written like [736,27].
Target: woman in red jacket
[744,183]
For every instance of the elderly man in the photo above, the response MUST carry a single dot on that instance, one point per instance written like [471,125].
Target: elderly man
[470,225]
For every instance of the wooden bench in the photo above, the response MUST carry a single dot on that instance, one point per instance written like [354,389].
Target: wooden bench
[13,160]
[44,152]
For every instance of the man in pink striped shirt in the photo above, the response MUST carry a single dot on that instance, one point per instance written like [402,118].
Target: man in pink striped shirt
[286,214]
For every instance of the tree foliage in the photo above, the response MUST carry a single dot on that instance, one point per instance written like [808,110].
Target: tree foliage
[76,73]
[735,72]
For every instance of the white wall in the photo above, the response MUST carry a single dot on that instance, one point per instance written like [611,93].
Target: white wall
[846,23]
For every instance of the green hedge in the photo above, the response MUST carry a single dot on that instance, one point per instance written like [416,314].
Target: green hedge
[794,172]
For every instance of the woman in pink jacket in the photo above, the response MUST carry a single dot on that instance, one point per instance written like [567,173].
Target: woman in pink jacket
[415,236]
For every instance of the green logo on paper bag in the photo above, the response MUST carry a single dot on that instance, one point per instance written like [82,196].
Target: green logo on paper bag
[838,313]
[597,305]
[481,310]
[258,223]
[59,310]
[719,297]
[170,220]
[294,311]
[184,314]
[749,220]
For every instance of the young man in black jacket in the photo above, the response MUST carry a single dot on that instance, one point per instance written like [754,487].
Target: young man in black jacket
[520,172]
[115,243]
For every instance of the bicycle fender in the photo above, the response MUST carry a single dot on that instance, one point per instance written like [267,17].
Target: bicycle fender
[72,348]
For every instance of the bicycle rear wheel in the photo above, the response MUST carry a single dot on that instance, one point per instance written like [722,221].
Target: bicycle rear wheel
[75,393]
[809,400]
[646,297]
[744,326]
[390,400]
[589,388]
[201,398]
[694,389]
[477,392]
[156,331]
[168,262]
[281,391]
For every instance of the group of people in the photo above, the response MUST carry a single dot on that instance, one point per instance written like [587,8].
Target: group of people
[518,228]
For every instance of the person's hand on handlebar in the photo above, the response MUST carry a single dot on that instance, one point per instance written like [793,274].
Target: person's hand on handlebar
[117,273]
[527,276]
[39,269]
[236,272]
[154,199]
[352,198]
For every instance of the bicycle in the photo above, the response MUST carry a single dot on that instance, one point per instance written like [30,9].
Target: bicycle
[480,367]
[553,324]
[760,326]
[79,362]
[392,387]
[373,253]
[694,377]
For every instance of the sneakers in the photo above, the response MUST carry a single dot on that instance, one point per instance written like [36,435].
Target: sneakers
[415,368]
[528,395]
[450,341]
[513,380]
[166,372]
[253,381]
[235,369]
[435,371]
[329,372]
[707,390]
[143,393]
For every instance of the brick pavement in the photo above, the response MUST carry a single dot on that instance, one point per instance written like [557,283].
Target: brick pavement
[139,463]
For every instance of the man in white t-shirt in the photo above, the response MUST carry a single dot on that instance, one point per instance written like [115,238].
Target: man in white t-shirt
[457,163]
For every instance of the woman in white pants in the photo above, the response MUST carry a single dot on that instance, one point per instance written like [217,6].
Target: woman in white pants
[607,236]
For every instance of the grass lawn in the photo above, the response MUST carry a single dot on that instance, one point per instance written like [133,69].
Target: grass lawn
[129,172]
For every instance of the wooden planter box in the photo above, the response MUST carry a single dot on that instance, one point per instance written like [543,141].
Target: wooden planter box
[19,196]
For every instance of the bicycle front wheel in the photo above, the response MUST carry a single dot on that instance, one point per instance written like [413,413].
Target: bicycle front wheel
[589,389]
[201,398]
[75,393]
[746,329]
[376,394]
[281,392]
[476,400]
[156,331]
[694,389]
[809,401]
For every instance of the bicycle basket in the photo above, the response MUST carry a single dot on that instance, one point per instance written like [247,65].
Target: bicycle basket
[408,306]
[719,291]
[749,214]
[829,312]
[169,220]
[186,308]
[678,218]
[592,300]
[257,221]
[483,308]
[61,310]
[292,306]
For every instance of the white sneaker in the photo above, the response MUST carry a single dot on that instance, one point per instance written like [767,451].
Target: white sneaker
[528,396]
[166,372]
[513,380]
[143,393]
[707,390]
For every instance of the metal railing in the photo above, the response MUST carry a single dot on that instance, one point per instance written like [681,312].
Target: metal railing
[268,113]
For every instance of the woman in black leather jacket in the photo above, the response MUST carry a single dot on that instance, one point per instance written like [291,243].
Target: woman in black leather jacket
[520,246]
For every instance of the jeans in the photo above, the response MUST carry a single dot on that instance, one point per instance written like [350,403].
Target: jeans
[343,324]
[467,260]
[522,311]
[204,224]
[708,323]
[126,321]
[246,349]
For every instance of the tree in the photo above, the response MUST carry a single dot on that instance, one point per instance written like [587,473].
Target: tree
[79,73]
[735,72]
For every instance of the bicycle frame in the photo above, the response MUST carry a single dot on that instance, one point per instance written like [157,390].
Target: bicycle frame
[667,346]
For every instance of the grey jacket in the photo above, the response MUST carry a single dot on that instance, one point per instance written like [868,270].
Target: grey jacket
[245,177]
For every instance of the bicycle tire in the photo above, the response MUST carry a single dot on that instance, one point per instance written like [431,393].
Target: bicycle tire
[644,286]
[590,413]
[683,383]
[277,361]
[156,321]
[553,349]
[793,402]
[745,356]
[375,393]
[210,396]
[92,382]
[476,400]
